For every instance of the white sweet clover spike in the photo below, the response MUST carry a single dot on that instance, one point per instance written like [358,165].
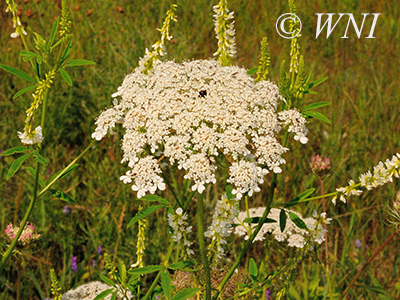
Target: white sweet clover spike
[190,114]
[178,223]
[224,216]
[382,173]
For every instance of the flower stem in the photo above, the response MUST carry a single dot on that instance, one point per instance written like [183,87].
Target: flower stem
[153,285]
[203,253]
[23,223]
[367,264]
[250,240]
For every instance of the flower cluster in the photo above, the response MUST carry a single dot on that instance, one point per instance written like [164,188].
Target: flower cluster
[295,236]
[382,173]
[221,226]
[12,7]
[225,33]
[140,245]
[192,113]
[320,166]
[27,236]
[350,190]
[180,228]
[146,63]
[35,136]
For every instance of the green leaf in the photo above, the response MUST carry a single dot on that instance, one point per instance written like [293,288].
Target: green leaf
[145,270]
[66,76]
[153,198]
[79,62]
[282,220]
[40,159]
[39,59]
[253,271]
[296,220]
[316,105]
[185,294]
[252,71]
[122,273]
[144,213]
[316,82]
[166,284]
[23,91]
[67,50]
[107,280]
[67,172]
[32,171]
[17,72]
[310,92]
[317,115]
[16,165]
[299,197]
[104,294]
[27,55]
[62,196]
[255,220]
[12,151]
[229,194]
[53,33]
[114,295]
[181,265]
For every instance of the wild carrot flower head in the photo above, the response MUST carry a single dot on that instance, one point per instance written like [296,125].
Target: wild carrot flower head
[192,113]
[27,236]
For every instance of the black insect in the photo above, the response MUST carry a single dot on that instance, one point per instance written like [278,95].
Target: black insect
[203,93]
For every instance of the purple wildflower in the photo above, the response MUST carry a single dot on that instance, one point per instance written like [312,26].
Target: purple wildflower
[94,263]
[267,295]
[74,265]
[358,243]
[99,250]
[67,209]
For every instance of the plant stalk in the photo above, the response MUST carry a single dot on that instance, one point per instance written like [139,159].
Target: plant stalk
[365,266]
[203,252]
[24,221]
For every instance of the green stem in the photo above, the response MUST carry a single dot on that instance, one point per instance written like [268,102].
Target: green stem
[365,266]
[154,284]
[202,246]
[255,232]
[308,199]
[250,240]
[66,169]
[23,223]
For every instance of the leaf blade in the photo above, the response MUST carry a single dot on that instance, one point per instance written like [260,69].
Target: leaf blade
[66,76]
[16,165]
[12,151]
[144,213]
[23,91]
[79,62]
[17,72]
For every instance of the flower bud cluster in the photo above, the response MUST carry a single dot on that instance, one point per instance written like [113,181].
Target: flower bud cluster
[27,236]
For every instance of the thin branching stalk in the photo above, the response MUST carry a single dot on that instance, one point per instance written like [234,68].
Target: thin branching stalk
[365,266]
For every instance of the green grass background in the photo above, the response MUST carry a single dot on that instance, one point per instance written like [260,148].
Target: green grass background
[363,88]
